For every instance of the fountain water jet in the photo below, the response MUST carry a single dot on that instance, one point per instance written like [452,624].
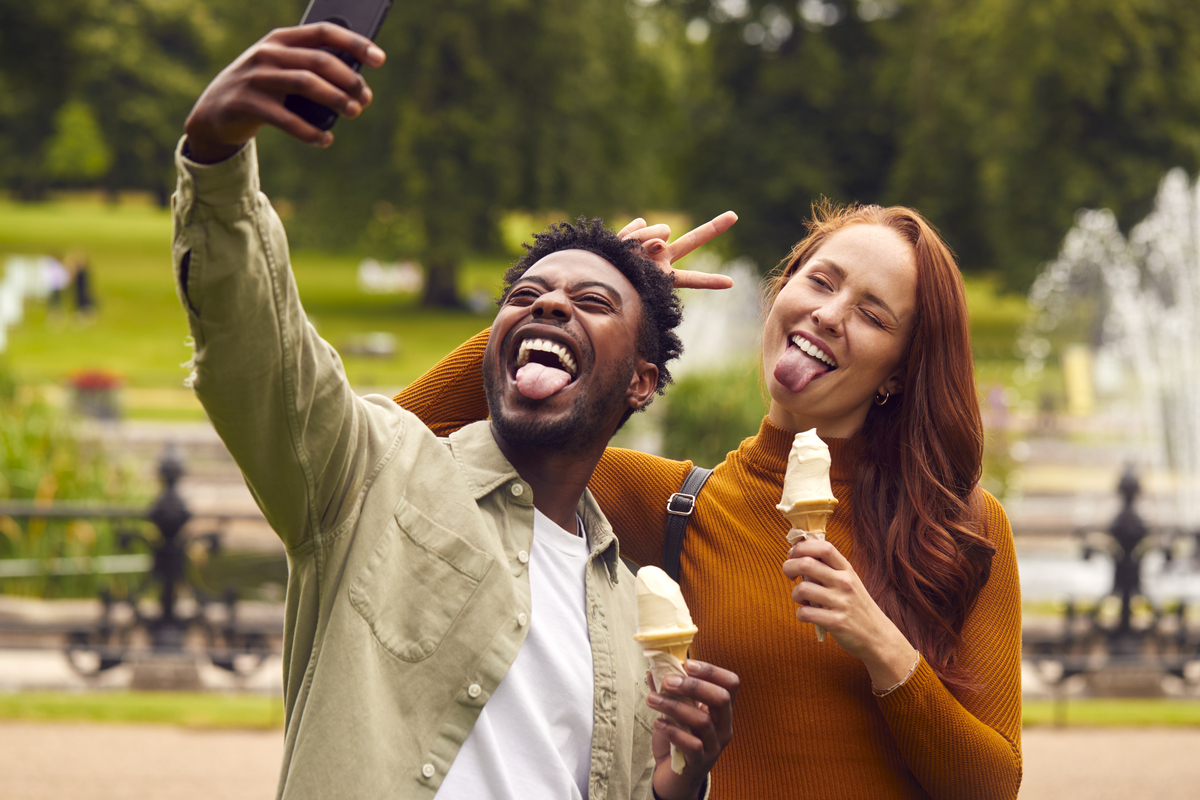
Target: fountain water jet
[1136,302]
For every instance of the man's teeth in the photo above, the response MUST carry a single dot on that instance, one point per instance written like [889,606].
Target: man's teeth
[813,350]
[546,346]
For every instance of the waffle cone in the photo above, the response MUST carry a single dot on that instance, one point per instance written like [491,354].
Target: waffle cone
[666,653]
[675,642]
[810,515]
[808,522]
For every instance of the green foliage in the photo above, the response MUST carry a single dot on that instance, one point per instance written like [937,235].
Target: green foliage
[997,119]
[140,64]
[708,414]
[78,149]
[483,106]
[44,460]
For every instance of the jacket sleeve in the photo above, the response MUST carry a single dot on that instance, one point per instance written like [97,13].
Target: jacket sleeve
[275,391]
[970,746]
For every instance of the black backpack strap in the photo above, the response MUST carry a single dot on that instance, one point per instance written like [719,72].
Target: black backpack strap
[679,507]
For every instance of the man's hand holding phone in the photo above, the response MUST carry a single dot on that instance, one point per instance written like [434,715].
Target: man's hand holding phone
[250,92]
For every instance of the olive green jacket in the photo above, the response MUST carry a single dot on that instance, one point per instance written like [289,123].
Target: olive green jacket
[408,591]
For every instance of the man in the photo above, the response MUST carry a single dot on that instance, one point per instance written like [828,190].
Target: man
[458,622]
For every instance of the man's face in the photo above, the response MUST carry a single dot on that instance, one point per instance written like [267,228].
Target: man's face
[561,366]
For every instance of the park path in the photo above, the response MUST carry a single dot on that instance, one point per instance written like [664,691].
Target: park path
[89,761]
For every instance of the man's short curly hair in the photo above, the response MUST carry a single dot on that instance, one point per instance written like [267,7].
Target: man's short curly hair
[661,310]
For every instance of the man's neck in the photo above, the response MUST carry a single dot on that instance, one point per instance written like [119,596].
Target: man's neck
[557,479]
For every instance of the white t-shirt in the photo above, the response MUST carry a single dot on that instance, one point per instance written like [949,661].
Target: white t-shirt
[533,738]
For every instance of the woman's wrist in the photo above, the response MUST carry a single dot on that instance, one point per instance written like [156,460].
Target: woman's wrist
[894,664]
[884,692]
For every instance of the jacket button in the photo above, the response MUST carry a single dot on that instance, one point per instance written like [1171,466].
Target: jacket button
[474,690]
[522,619]
[518,490]
[428,770]
[523,557]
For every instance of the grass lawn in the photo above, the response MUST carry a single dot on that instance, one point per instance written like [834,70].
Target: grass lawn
[237,710]
[188,709]
[139,329]
[1113,712]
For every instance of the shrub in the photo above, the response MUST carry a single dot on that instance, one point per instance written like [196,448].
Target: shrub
[708,414]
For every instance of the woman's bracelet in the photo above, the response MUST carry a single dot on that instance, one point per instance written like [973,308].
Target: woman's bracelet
[904,680]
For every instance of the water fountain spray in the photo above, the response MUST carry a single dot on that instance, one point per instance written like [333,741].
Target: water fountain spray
[1136,302]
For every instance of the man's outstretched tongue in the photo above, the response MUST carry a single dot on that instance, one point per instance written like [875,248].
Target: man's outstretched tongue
[538,381]
[795,369]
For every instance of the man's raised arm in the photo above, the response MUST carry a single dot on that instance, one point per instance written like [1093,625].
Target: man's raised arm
[275,392]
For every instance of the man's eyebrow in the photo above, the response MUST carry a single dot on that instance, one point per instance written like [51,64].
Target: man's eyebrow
[579,285]
[840,272]
[612,290]
[538,279]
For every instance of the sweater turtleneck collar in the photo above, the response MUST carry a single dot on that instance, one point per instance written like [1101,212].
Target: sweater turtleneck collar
[769,452]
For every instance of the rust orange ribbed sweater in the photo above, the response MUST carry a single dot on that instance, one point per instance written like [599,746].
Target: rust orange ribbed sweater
[806,723]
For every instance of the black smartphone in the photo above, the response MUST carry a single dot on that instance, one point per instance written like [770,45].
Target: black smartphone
[361,16]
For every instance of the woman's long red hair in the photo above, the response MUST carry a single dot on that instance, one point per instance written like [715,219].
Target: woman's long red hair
[918,545]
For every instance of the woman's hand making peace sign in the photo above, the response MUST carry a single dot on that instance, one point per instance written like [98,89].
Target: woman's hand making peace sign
[655,238]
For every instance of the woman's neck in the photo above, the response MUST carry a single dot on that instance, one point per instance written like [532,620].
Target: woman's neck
[840,428]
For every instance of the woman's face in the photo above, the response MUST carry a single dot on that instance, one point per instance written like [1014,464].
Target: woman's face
[839,329]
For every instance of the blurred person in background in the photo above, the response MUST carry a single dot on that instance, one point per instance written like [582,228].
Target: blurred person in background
[918,695]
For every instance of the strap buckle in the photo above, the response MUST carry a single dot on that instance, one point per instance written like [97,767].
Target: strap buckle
[681,505]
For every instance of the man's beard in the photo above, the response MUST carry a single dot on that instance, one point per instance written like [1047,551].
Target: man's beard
[579,430]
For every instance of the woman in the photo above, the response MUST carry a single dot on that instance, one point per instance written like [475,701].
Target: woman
[918,693]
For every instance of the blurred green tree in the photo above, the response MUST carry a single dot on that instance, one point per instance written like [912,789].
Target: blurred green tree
[38,65]
[484,106]
[78,149]
[138,65]
[997,119]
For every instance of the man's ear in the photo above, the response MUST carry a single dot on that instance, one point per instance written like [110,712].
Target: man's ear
[642,384]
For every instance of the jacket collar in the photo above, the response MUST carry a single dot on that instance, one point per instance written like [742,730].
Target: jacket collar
[486,470]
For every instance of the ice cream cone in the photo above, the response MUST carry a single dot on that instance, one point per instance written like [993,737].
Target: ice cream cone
[809,516]
[808,520]
[675,642]
[666,653]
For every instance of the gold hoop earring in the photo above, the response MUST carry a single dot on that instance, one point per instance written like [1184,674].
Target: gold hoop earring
[886,395]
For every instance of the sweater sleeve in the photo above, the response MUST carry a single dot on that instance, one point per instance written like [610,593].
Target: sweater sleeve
[970,746]
[450,395]
[632,489]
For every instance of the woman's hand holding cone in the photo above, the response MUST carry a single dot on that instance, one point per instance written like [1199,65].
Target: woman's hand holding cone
[833,596]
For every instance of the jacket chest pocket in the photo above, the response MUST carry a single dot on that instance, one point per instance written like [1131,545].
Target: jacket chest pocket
[416,583]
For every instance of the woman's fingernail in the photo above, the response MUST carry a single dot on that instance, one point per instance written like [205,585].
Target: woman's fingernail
[654,699]
[672,681]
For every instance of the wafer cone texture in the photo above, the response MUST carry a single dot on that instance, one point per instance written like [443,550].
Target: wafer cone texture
[808,522]
[811,515]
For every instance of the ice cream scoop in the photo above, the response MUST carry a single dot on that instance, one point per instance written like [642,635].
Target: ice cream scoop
[665,629]
[808,500]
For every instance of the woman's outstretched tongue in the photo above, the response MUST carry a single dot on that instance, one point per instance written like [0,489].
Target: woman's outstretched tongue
[795,369]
